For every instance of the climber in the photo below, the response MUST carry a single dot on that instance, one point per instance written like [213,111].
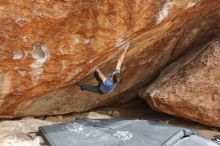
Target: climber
[106,84]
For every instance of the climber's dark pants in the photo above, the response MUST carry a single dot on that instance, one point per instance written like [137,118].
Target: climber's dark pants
[95,89]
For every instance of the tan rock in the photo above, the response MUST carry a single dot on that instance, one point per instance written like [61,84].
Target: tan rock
[21,132]
[48,45]
[190,87]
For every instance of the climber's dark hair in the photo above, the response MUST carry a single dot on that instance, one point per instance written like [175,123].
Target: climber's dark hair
[117,78]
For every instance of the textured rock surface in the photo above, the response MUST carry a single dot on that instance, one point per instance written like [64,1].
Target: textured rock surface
[14,133]
[45,46]
[190,87]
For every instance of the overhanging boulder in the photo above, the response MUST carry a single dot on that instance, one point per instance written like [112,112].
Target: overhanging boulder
[46,46]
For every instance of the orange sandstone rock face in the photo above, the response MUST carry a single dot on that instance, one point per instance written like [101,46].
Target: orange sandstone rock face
[46,46]
[190,87]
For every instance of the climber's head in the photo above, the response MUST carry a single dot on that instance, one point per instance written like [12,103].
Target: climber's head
[117,77]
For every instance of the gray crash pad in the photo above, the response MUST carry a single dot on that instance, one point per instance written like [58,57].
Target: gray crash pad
[115,132]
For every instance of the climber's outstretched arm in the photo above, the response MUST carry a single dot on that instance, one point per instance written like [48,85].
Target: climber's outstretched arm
[103,78]
[118,67]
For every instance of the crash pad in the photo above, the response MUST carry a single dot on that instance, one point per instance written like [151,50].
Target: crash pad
[113,132]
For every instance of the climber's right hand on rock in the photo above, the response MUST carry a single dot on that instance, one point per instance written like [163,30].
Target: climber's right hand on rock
[97,69]
[127,46]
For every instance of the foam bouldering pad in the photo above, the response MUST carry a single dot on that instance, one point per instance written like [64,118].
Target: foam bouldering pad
[114,132]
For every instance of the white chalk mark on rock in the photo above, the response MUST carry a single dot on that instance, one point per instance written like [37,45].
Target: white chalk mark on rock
[41,55]
[21,21]
[25,39]
[123,135]
[192,3]
[76,41]
[79,40]
[17,54]
[91,61]
[120,42]
[86,41]
[164,12]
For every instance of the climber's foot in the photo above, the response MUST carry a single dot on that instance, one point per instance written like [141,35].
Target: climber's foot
[81,86]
